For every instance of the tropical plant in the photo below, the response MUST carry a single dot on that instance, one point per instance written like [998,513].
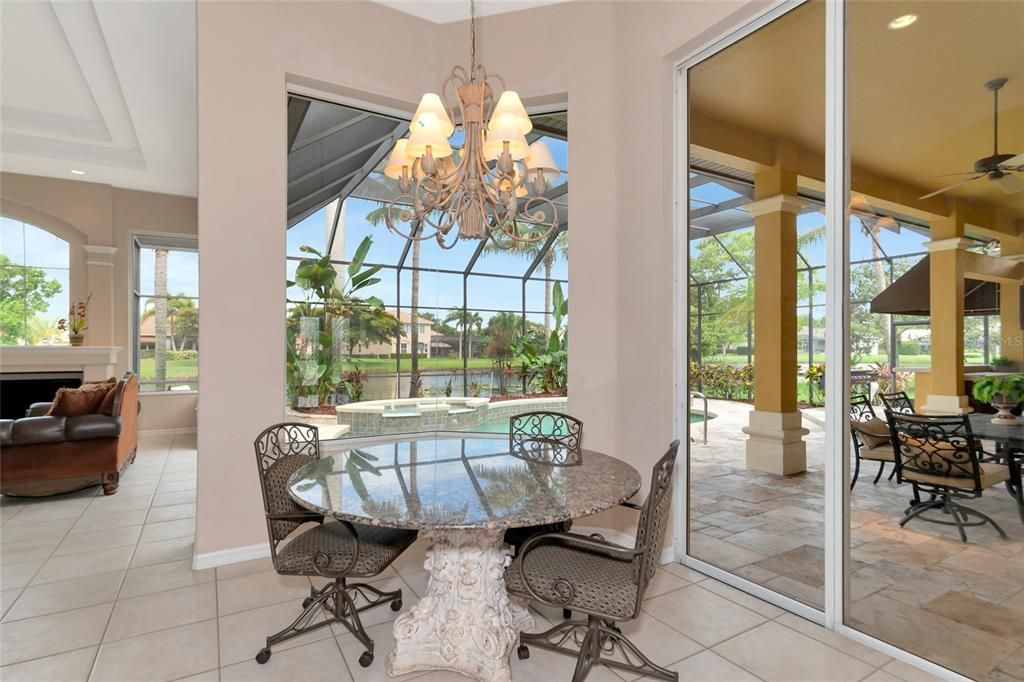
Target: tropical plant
[354,381]
[313,368]
[547,368]
[999,390]
[77,320]
[465,321]
[1002,361]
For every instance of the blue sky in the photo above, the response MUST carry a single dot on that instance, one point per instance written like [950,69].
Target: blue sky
[28,245]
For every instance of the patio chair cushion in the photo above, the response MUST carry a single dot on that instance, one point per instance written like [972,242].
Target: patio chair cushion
[599,583]
[991,474]
[874,432]
[333,542]
[879,454]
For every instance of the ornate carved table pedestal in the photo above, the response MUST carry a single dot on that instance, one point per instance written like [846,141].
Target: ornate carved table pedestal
[461,494]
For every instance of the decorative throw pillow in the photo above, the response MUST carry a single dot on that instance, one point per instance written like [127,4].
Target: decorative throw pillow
[74,402]
[107,406]
[874,432]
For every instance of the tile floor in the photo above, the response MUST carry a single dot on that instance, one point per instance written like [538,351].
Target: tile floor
[101,588]
[918,587]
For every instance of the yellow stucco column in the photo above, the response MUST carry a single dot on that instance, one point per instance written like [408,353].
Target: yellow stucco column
[775,431]
[1011,331]
[946,393]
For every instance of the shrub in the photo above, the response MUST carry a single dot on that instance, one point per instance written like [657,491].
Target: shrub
[182,355]
[722,381]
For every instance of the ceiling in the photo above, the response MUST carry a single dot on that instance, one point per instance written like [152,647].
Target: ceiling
[449,11]
[918,105]
[100,86]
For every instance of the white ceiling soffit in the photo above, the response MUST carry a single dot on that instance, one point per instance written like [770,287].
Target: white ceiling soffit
[449,11]
[101,86]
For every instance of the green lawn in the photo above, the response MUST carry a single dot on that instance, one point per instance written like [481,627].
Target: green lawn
[176,369]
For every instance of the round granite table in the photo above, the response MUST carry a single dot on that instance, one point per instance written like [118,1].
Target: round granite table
[461,494]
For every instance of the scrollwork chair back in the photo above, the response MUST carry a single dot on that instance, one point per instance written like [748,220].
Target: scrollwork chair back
[937,446]
[861,409]
[280,450]
[650,532]
[547,437]
[897,403]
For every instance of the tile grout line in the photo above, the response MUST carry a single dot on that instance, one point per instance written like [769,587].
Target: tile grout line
[113,607]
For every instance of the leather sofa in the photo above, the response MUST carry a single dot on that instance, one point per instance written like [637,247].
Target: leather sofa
[47,455]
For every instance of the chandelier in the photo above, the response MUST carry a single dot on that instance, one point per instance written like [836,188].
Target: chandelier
[494,188]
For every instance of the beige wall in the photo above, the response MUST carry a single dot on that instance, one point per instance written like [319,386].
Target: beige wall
[91,214]
[610,62]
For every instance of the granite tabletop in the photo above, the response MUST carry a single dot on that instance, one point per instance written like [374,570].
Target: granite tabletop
[455,483]
[1011,435]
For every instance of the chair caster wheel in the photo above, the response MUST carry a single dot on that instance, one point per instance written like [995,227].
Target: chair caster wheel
[396,605]
[263,656]
[307,601]
[523,652]
[366,659]
[567,613]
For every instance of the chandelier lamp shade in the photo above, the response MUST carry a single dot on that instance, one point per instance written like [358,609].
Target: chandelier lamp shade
[493,187]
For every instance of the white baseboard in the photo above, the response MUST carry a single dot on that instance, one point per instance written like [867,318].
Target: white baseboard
[234,555]
[167,432]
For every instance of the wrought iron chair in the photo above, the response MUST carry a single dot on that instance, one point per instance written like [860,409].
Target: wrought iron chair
[940,456]
[549,438]
[604,580]
[871,438]
[897,402]
[336,550]
[546,437]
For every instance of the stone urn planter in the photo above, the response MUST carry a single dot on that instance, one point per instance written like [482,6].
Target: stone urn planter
[1004,404]
[1003,392]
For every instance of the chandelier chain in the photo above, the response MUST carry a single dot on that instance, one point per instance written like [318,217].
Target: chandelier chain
[472,38]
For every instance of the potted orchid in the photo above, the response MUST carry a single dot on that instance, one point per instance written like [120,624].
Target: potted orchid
[1003,393]
[76,323]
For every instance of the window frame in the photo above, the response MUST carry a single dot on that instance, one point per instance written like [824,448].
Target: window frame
[24,265]
[154,241]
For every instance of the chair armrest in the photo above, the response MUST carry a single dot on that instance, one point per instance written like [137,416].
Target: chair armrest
[574,540]
[38,409]
[296,516]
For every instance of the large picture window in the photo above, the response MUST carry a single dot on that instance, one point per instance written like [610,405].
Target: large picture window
[166,312]
[34,284]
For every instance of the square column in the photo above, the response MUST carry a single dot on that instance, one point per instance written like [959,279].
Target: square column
[946,394]
[775,434]
[1011,331]
[99,261]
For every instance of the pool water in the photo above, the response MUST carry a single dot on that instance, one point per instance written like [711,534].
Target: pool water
[501,425]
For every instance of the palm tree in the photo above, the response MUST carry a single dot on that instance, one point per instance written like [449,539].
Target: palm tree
[160,321]
[465,320]
[529,251]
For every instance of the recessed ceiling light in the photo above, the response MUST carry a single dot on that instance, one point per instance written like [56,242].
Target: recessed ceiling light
[902,21]
[75,171]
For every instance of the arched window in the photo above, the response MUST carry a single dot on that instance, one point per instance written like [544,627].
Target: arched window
[35,278]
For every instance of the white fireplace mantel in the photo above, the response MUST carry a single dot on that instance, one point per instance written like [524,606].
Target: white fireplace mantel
[94,362]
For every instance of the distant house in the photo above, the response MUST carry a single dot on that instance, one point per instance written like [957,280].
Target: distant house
[427,344]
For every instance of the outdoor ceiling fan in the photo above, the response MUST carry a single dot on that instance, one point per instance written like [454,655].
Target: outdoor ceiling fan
[998,168]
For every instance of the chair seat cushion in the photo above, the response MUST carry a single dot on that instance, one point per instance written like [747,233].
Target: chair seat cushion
[599,583]
[874,432]
[879,454]
[991,474]
[334,544]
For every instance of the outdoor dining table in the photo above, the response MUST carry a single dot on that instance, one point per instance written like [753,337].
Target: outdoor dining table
[1008,436]
[461,494]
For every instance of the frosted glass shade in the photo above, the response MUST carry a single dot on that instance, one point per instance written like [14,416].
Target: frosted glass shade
[539,160]
[399,158]
[428,131]
[510,105]
[507,129]
[431,110]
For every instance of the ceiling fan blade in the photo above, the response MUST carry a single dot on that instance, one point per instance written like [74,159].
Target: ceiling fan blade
[949,187]
[1014,163]
[1009,183]
[947,175]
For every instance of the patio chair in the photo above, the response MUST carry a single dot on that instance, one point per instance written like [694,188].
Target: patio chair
[940,456]
[337,550]
[871,438]
[597,577]
[898,402]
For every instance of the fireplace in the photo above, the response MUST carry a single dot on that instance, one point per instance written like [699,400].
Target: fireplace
[18,390]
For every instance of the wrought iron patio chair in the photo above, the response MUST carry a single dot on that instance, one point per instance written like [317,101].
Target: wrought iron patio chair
[871,438]
[604,580]
[940,456]
[897,402]
[337,550]
[549,438]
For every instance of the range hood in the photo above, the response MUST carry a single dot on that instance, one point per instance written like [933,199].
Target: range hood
[911,294]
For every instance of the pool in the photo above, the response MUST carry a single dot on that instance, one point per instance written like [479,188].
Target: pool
[501,425]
